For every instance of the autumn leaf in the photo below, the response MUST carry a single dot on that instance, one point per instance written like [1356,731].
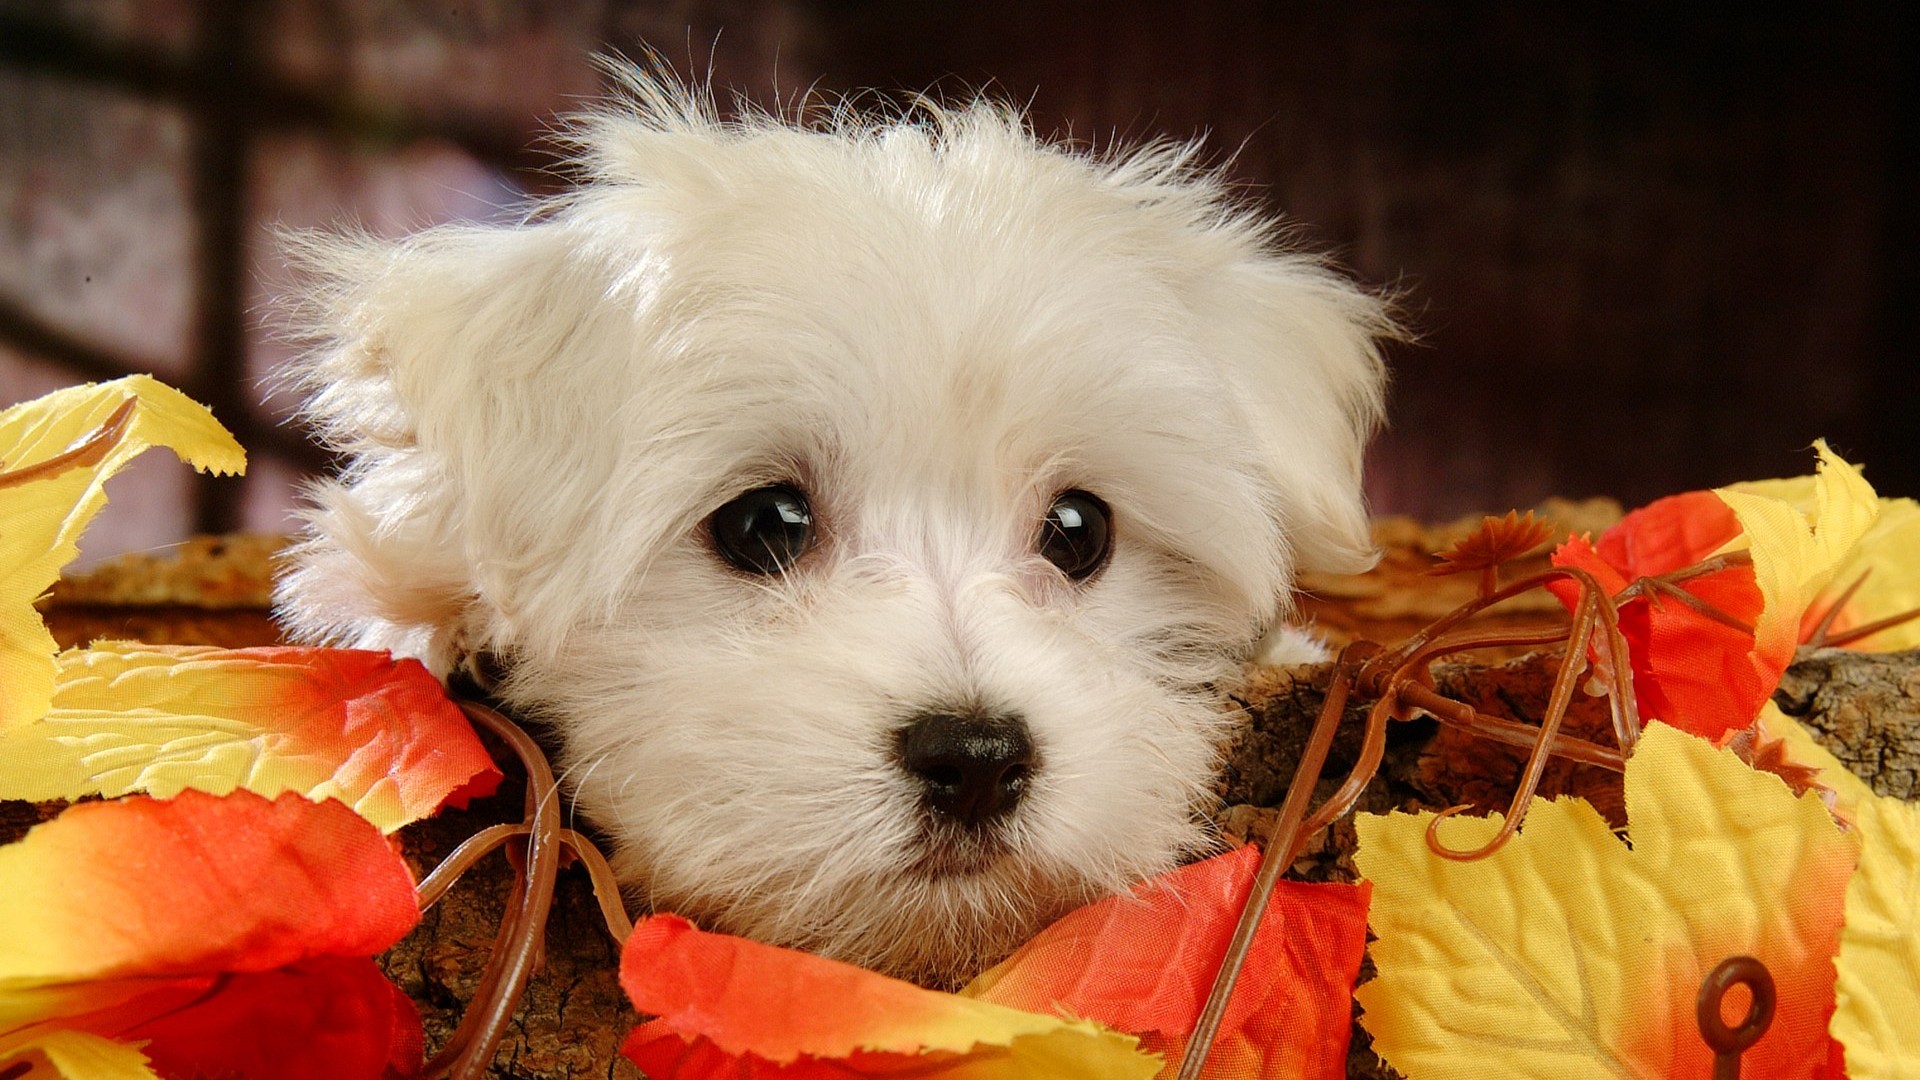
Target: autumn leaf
[726,1005]
[56,454]
[1878,995]
[1141,963]
[195,884]
[1144,964]
[79,1054]
[1689,669]
[1497,540]
[1796,553]
[374,732]
[324,1018]
[1878,989]
[1700,673]
[1568,953]
[216,931]
[1886,564]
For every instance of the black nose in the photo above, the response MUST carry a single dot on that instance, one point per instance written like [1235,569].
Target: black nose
[973,767]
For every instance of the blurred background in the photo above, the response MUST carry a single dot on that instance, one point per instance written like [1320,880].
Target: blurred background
[1647,248]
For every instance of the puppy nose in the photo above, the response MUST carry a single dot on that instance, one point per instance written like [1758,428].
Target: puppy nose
[974,768]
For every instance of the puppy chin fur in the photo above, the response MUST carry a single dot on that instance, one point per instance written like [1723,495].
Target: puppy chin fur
[932,323]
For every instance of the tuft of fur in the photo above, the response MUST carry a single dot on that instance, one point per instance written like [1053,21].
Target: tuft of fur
[932,322]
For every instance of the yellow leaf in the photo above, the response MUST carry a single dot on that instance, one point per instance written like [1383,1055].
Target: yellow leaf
[1878,992]
[1569,954]
[376,733]
[56,454]
[74,1055]
[1796,553]
[1888,555]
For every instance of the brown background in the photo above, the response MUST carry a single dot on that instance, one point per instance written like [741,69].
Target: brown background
[1648,248]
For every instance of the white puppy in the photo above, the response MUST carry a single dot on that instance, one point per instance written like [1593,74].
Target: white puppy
[872,507]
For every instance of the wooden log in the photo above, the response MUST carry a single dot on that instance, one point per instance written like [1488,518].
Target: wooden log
[1865,708]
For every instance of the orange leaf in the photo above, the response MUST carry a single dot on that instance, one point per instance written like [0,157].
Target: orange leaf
[1692,670]
[225,929]
[1689,670]
[1144,963]
[1496,541]
[730,1005]
[359,726]
[196,884]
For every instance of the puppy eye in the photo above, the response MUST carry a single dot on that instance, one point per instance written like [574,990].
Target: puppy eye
[763,531]
[1077,535]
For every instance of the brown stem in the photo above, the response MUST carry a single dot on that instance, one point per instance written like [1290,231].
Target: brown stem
[1654,587]
[454,1050]
[1373,747]
[1501,730]
[1512,637]
[543,868]
[1571,666]
[89,452]
[1273,861]
[606,887]
[471,850]
[1461,614]
[1818,639]
[1621,703]
[1859,633]
[523,932]
[1712,565]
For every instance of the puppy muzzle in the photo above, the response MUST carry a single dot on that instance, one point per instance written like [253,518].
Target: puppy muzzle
[972,768]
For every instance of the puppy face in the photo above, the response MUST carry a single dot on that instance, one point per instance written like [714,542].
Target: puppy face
[872,510]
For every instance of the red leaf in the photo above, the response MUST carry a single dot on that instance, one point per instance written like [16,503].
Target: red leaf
[729,1006]
[1145,963]
[328,1018]
[230,933]
[1690,670]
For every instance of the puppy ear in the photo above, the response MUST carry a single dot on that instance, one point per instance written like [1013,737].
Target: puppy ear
[455,370]
[1301,344]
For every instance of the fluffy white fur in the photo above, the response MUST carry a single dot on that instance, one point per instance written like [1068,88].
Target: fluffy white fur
[933,323]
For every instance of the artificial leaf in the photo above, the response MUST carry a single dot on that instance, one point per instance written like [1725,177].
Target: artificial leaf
[1689,669]
[324,1018]
[1144,964]
[195,884]
[56,454]
[81,1055]
[1885,563]
[1496,541]
[1878,992]
[1566,953]
[725,1004]
[1796,554]
[358,726]
[217,930]
[1703,674]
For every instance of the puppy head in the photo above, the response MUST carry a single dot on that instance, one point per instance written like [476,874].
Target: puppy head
[870,507]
